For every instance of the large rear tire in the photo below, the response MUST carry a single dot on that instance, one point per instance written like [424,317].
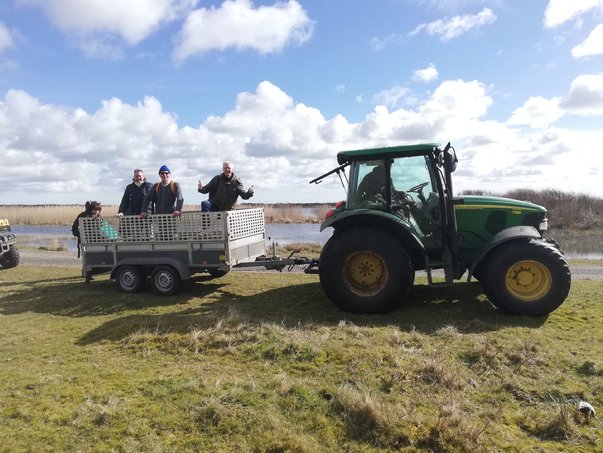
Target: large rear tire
[129,279]
[10,258]
[165,280]
[365,270]
[527,278]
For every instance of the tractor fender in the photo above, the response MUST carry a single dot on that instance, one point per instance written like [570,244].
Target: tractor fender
[370,217]
[182,269]
[506,235]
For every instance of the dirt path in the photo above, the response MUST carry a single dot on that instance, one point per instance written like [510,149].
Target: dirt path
[69,259]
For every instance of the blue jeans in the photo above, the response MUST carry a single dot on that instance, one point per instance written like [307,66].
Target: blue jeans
[208,206]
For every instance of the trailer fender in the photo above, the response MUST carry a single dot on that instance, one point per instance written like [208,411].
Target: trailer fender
[153,262]
[509,234]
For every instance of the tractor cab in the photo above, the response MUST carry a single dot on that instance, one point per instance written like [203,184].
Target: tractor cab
[406,190]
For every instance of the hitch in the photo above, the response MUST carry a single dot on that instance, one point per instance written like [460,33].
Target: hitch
[277,263]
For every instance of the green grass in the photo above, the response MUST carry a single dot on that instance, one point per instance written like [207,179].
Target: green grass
[264,362]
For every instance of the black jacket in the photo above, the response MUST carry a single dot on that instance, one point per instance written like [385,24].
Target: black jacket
[131,202]
[223,191]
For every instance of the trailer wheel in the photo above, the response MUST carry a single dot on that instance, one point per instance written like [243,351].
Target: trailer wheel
[129,279]
[165,280]
[365,270]
[11,258]
[527,278]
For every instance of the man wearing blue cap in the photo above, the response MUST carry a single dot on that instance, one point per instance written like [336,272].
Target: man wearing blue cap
[165,196]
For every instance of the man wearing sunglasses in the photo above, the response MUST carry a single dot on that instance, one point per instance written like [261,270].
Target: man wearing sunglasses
[165,196]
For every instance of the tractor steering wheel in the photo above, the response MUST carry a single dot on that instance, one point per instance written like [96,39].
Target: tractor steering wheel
[418,188]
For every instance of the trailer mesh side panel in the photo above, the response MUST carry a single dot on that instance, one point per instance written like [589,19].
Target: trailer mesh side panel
[190,226]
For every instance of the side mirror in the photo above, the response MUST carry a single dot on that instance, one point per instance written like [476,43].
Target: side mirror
[450,159]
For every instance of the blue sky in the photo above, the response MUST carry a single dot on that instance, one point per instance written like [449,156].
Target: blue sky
[91,89]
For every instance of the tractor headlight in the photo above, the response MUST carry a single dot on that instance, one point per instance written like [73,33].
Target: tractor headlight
[544,225]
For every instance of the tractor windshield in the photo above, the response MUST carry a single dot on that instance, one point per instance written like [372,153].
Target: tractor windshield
[404,186]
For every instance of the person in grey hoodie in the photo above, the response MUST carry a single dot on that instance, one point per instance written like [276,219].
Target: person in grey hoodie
[165,196]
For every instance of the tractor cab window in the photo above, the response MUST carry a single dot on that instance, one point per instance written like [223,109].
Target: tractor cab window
[414,193]
[371,192]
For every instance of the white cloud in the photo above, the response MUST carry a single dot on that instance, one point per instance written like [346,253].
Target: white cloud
[394,96]
[585,96]
[593,45]
[537,112]
[238,24]
[6,39]
[381,43]
[451,28]
[559,12]
[279,144]
[429,74]
[130,20]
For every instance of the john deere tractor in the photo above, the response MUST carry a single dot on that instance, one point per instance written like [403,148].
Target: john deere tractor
[401,216]
[9,255]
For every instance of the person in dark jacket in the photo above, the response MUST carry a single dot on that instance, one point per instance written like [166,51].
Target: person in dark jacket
[93,209]
[223,189]
[165,196]
[134,195]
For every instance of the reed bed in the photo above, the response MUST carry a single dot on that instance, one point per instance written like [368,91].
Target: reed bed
[63,215]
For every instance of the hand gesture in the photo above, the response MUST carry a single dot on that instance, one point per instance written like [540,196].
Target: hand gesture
[200,185]
[250,190]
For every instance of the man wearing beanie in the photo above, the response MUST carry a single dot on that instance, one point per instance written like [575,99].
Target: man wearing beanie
[134,195]
[165,196]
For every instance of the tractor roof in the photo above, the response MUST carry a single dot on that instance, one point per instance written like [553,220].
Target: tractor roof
[382,153]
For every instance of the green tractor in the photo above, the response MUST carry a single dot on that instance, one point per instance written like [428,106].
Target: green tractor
[400,216]
[9,255]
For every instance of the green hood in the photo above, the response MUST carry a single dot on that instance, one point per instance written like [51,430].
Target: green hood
[477,202]
[479,218]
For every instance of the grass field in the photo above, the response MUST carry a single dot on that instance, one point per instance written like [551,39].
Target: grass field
[264,362]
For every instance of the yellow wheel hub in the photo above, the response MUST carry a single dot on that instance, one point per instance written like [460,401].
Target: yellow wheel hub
[528,280]
[365,273]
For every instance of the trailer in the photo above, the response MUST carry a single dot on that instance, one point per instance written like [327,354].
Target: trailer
[170,249]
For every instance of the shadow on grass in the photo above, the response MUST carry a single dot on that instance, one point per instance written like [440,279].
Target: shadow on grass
[426,310]
[70,296]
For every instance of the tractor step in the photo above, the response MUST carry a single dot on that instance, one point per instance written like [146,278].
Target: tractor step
[437,261]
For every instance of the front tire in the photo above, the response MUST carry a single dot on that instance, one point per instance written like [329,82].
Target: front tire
[10,258]
[527,278]
[129,279]
[165,280]
[365,270]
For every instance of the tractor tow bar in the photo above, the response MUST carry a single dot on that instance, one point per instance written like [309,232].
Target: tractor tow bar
[277,263]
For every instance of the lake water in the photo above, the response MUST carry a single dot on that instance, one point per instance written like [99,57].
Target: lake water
[281,233]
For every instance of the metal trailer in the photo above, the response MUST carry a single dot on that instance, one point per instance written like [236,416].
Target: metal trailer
[170,249]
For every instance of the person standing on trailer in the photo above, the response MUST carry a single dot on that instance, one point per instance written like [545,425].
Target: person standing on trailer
[134,194]
[223,189]
[165,196]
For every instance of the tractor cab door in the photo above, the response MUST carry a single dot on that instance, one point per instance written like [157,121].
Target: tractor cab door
[414,196]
